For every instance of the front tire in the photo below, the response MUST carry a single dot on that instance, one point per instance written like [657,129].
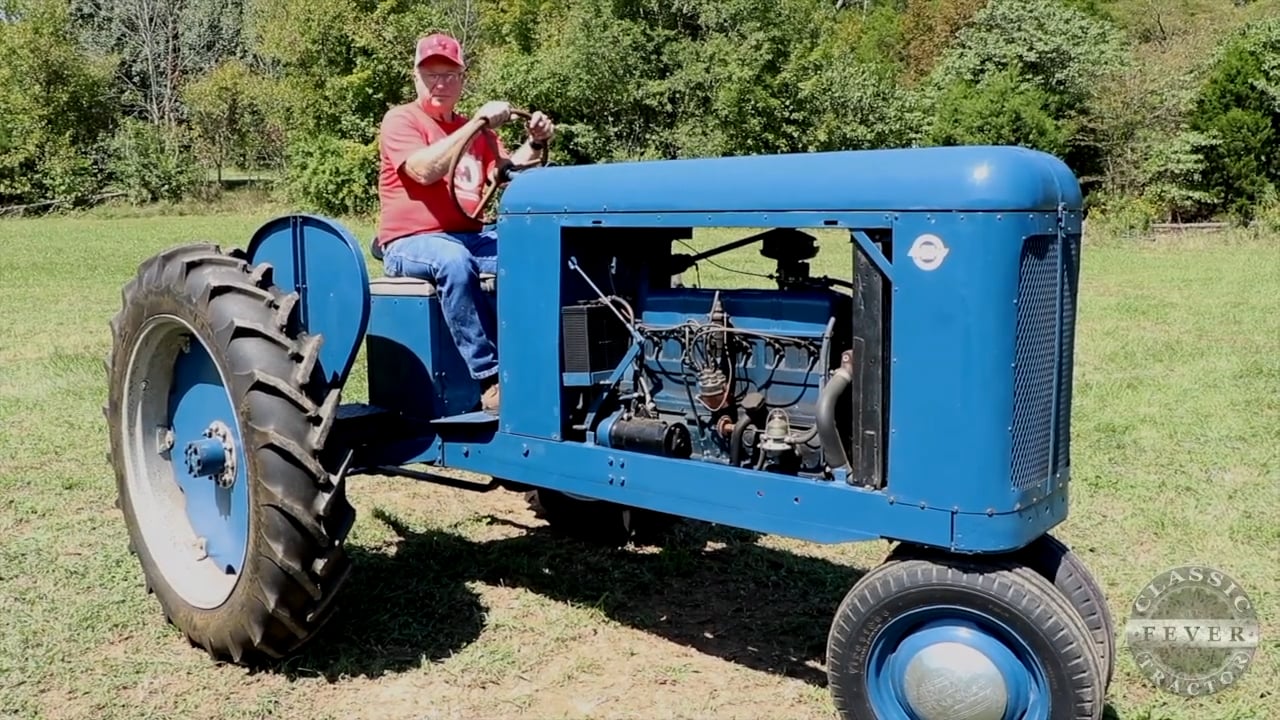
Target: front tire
[1058,564]
[217,420]
[1063,567]
[928,639]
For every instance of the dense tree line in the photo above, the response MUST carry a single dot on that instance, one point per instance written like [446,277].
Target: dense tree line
[1167,109]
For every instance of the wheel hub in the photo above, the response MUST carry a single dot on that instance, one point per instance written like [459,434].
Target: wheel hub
[214,456]
[954,681]
[945,662]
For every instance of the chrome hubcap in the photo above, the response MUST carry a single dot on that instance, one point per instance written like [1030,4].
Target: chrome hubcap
[954,681]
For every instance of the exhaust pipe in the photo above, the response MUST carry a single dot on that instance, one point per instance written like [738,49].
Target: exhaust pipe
[828,433]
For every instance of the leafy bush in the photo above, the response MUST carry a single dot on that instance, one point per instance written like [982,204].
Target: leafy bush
[332,175]
[1001,109]
[1119,216]
[1170,175]
[56,108]
[67,173]
[1052,46]
[840,104]
[229,118]
[598,75]
[1051,56]
[1267,215]
[152,163]
[1239,107]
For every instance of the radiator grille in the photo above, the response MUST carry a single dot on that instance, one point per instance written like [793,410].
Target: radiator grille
[1035,361]
[1070,291]
[593,340]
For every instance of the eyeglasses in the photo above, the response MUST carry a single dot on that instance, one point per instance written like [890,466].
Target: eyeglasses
[442,77]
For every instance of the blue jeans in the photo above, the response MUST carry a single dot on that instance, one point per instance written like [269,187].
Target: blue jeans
[453,262]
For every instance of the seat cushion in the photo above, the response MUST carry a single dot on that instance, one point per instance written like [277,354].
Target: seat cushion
[417,287]
[402,286]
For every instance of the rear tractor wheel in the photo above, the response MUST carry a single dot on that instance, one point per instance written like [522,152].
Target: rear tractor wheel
[951,637]
[217,418]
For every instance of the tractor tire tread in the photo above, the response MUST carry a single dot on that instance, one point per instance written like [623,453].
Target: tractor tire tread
[1058,564]
[1031,596]
[594,522]
[308,354]
[600,522]
[259,380]
[331,504]
[299,517]
[237,328]
[284,311]
[1064,568]
[296,454]
[262,276]
[326,414]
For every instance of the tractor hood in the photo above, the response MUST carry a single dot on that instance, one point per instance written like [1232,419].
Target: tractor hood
[943,179]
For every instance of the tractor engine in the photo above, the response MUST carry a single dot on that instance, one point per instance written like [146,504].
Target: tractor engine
[737,376]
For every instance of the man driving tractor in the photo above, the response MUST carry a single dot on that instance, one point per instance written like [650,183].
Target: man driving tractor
[421,232]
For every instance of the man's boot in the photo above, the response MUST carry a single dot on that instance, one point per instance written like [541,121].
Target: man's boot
[489,395]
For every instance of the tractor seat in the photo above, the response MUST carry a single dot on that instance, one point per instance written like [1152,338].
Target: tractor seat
[417,287]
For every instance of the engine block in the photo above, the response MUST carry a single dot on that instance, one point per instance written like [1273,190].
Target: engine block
[725,375]
[734,364]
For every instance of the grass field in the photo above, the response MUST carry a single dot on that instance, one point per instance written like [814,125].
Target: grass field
[462,607]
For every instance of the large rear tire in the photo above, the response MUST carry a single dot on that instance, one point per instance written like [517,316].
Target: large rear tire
[217,420]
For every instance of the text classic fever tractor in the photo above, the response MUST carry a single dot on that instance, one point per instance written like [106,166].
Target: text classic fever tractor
[923,397]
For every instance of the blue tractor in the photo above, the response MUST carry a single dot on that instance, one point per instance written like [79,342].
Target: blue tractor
[924,398]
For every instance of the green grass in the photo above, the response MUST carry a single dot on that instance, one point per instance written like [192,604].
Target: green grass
[462,607]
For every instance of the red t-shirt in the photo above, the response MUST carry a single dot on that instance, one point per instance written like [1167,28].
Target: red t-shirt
[408,207]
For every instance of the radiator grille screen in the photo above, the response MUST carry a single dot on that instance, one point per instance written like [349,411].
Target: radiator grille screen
[1036,370]
[1070,291]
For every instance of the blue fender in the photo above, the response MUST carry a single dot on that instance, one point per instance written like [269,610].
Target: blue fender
[320,260]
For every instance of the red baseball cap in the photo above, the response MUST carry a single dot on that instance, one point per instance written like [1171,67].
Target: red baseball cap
[438,45]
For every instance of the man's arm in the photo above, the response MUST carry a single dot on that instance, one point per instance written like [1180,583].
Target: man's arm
[534,150]
[431,163]
[528,155]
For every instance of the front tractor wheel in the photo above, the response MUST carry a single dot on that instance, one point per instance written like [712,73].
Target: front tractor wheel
[943,638]
[1061,566]
[217,418]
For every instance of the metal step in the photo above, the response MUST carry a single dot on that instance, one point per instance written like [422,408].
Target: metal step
[477,417]
[359,424]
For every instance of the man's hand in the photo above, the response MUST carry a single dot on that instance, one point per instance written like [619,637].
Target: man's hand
[495,112]
[541,129]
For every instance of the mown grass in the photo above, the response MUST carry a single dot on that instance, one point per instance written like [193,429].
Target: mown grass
[461,606]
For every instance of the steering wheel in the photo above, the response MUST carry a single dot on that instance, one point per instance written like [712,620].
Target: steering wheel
[498,177]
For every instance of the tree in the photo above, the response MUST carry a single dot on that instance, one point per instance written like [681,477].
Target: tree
[228,117]
[1050,54]
[160,44]
[928,27]
[1000,109]
[1239,107]
[56,107]
[1055,47]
